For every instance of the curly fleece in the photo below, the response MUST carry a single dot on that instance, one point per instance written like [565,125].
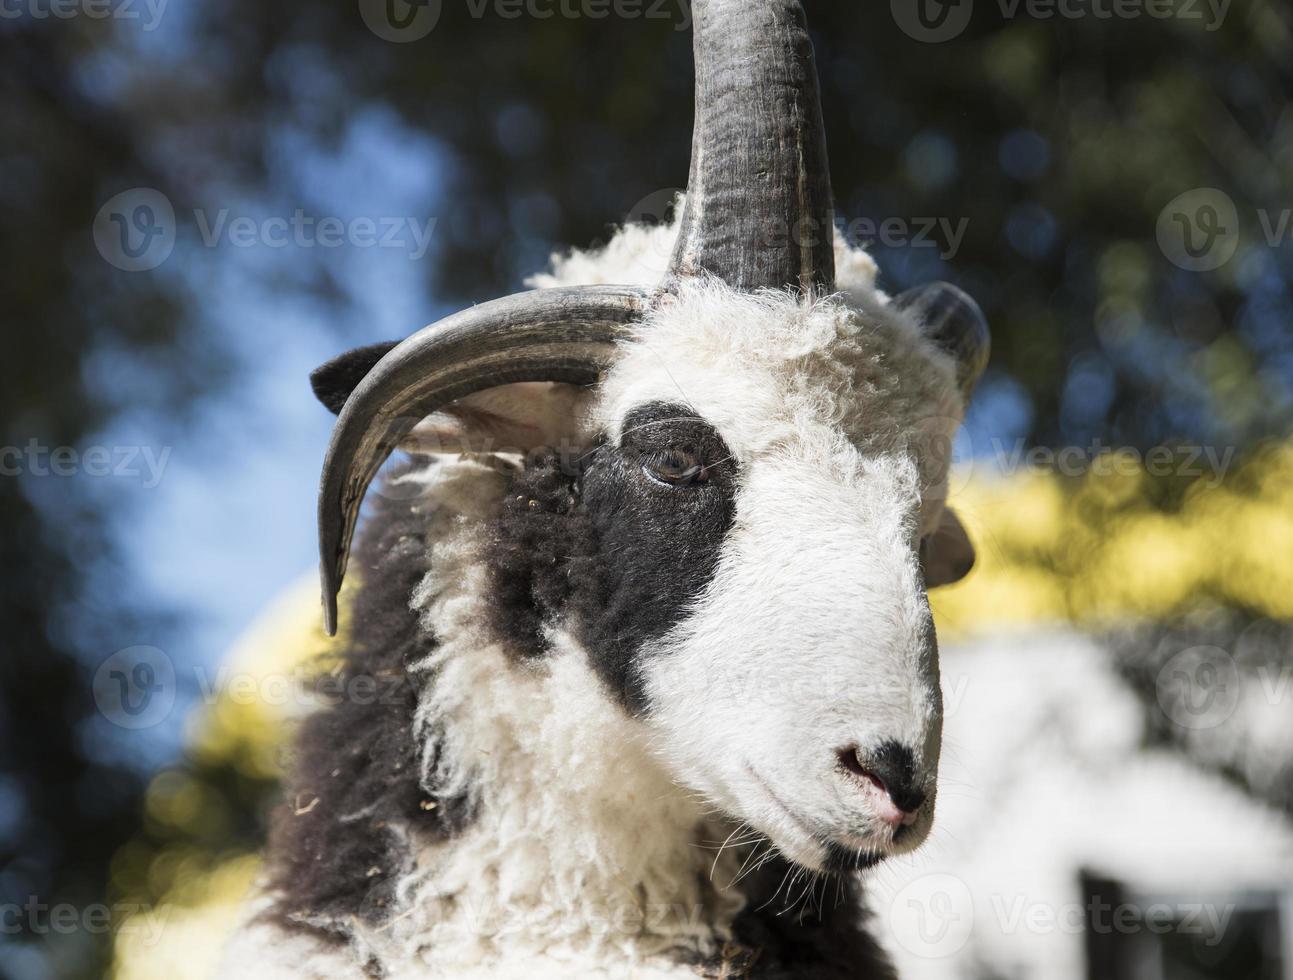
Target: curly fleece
[583,855]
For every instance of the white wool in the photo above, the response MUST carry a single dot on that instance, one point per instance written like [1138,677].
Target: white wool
[820,380]
[260,951]
[638,255]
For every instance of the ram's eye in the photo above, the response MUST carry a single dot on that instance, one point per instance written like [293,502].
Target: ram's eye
[675,468]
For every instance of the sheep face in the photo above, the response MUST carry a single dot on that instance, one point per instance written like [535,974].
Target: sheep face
[774,468]
[768,476]
[738,527]
[756,477]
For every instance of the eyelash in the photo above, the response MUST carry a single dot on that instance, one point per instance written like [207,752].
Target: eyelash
[681,469]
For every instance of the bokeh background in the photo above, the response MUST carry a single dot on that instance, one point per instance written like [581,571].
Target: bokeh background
[199,202]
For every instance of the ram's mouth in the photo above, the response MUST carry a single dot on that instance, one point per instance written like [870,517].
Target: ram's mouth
[801,842]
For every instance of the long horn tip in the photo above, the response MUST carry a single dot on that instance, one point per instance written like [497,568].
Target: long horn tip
[329,598]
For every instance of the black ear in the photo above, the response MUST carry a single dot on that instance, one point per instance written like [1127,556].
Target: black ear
[333,382]
[947,555]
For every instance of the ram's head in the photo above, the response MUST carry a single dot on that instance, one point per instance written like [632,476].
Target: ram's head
[754,459]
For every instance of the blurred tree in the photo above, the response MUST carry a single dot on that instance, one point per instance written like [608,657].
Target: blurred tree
[62,812]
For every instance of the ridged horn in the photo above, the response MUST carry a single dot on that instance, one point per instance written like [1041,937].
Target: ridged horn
[547,335]
[952,320]
[759,212]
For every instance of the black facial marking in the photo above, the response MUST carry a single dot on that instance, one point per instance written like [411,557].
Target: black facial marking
[894,764]
[840,859]
[813,931]
[620,542]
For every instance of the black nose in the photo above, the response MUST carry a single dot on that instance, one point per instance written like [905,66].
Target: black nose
[893,766]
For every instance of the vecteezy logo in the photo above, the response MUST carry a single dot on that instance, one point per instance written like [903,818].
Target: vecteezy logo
[943,443]
[135,230]
[932,21]
[1199,230]
[1199,687]
[933,916]
[655,209]
[401,21]
[135,687]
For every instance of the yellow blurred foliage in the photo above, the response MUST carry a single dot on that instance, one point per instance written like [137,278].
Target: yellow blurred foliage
[194,923]
[1092,551]
[260,684]
[1096,551]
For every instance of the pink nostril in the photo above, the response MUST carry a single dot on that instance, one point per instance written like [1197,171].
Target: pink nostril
[888,811]
[895,800]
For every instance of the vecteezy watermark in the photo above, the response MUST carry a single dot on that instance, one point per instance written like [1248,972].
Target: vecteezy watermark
[1199,230]
[135,687]
[1210,13]
[659,207]
[677,11]
[932,21]
[1199,688]
[431,438]
[935,21]
[945,445]
[1100,460]
[36,918]
[305,231]
[135,230]
[933,916]
[1276,684]
[944,234]
[149,12]
[1202,686]
[754,689]
[124,462]
[403,21]
[484,917]
[1096,915]
[303,688]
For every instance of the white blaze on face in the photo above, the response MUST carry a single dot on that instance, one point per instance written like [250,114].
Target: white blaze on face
[813,636]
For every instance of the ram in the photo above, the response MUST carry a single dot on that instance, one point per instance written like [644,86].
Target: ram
[648,665]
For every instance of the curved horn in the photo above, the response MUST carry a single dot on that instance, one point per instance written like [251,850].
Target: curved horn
[953,321]
[547,335]
[759,211]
